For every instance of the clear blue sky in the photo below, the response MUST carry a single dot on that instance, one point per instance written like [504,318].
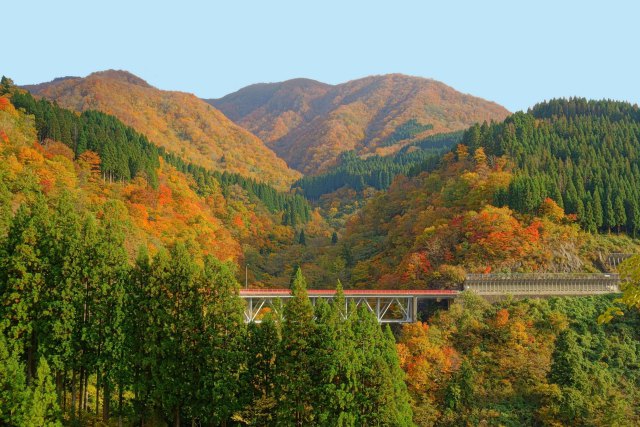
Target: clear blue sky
[512,52]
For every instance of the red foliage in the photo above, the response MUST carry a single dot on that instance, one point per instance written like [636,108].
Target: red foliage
[164,195]
[46,185]
[237,221]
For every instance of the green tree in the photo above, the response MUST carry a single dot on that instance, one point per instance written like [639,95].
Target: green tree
[598,214]
[263,343]
[378,394]
[179,318]
[399,412]
[609,214]
[223,343]
[295,358]
[335,364]
[140,332]
[42,407]
[108,306]
[59,316]
[13,386]
[620,213]
[24,269]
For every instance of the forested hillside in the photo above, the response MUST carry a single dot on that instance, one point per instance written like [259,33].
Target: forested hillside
[528,194]
[378,172]
[309,124]
[85,336]
[585,155]
[179,122]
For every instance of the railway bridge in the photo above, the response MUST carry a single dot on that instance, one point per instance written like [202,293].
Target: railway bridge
[401,306]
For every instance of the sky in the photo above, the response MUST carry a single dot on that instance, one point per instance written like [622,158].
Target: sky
[515,53]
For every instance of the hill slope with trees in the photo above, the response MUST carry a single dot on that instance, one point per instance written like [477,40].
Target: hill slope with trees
[539,192]
[96,160]
[180,122]
[309,124]
[585,155]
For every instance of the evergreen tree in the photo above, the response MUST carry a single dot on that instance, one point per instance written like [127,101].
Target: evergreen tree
[59,298]
[6,85]
[88,280]
[399,412]
[108,306]
[180,316]
[42,407]
[336,364]
[620,212]
[263,343]
[598,213]
[609,215]
[633,217]
[223,343]
[13,386]
[302,240]
[24,269]
[295,359]
[140,341]
[378,394]
[588,222]
[334,238]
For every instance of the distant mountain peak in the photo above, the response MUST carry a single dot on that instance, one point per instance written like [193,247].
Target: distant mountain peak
[120,75]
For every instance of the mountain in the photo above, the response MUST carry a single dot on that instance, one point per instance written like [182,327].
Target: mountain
[179,122]
[309,124]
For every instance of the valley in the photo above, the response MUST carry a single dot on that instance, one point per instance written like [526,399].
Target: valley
[132,217]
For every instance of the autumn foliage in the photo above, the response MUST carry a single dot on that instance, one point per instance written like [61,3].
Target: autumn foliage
[432,229]
[217,224]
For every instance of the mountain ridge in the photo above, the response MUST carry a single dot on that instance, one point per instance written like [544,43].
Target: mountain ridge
[309,123]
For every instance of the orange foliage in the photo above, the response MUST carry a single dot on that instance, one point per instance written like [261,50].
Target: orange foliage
[550,209]
[90,161]
[502,317]
[426,363]
[424,226]
[164,195]
[55,148]
[237,221]
[30,156]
